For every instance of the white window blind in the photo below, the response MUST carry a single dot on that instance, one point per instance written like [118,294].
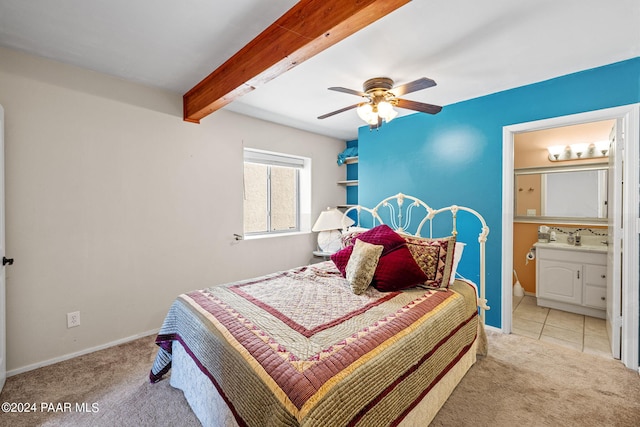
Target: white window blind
[275,159]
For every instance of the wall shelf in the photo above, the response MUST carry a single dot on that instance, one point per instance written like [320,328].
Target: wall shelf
[350,183]
[351,160]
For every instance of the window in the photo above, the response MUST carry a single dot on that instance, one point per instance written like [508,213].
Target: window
[272,192]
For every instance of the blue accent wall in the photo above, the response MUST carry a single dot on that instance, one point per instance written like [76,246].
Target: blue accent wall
[455,157]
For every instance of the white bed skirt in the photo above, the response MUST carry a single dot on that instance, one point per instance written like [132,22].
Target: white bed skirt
[212,410]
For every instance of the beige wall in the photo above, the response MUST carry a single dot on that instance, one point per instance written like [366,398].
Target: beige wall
[114,205]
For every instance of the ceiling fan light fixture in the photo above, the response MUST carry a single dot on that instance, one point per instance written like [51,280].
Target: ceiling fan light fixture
[381,97]
[371,113]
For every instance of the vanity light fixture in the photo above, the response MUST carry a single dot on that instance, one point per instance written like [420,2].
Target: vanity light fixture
[578,151]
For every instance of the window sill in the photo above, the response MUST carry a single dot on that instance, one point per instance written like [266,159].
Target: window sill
[272,235]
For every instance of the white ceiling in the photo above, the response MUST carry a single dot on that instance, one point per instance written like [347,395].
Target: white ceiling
[469,47]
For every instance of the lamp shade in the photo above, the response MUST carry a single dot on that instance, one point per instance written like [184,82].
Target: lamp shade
[331,219]
[365,111]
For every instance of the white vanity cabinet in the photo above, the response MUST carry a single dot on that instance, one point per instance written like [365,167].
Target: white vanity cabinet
[572,278]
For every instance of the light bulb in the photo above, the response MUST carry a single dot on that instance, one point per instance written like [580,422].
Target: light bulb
[384,108]
[365,111]
[579,149]
[555,151]
[386,111]
[391,115]
[602,147]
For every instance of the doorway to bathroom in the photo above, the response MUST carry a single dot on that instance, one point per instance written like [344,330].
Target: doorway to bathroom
[557,197]
[560,323]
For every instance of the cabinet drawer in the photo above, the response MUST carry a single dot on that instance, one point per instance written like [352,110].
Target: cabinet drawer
[595,296]
[595,275]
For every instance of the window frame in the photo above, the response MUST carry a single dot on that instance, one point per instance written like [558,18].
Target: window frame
[272,159]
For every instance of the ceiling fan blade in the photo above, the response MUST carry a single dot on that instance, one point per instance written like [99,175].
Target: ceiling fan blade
[342,110]
[413,86]
[349,91]
[419,106]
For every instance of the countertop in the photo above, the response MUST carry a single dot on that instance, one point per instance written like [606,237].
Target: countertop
[590,247]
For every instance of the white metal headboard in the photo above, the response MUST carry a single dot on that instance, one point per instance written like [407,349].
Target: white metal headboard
[401,216]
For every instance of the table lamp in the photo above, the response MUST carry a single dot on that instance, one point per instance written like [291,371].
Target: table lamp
[329,224]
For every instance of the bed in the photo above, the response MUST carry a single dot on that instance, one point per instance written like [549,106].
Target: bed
[350,341]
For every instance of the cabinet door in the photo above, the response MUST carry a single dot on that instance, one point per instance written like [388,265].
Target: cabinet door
[595,296]
[595,275]
[560,281]
[595,286]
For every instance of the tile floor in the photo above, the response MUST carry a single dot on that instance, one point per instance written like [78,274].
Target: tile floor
[582,333]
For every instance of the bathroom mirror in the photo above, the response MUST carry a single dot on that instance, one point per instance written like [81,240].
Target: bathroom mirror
[562,194]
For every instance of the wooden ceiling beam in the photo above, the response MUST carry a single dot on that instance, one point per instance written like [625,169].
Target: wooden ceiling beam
[305,30]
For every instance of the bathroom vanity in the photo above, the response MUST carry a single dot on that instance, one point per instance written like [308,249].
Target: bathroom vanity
[572,278]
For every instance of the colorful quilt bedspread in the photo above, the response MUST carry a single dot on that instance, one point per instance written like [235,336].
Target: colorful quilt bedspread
[298,348]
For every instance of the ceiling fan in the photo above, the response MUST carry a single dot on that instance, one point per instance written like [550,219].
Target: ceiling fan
[381,97]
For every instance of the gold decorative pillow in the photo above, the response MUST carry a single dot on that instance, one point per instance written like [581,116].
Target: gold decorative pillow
[434,257]
[362,265]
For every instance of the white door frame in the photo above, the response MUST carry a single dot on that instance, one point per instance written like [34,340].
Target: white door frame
[631,221]
[3,297]
[615,238]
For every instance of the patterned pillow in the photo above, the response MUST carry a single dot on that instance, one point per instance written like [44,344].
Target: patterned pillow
[348,238]
[397,270]
[380,235]
[362,265]
[434,257]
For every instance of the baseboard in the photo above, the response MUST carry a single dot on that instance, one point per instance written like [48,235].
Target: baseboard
[79,353]
[493,329]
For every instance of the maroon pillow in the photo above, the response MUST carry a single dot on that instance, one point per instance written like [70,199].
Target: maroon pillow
[397,270]
[380,235]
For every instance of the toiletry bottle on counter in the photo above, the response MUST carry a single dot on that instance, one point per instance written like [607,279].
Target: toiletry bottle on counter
[578,239]
[571,240]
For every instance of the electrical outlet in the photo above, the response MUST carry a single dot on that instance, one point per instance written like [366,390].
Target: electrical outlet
[73,319]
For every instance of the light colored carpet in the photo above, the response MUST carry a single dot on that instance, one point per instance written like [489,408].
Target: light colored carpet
[520,383]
